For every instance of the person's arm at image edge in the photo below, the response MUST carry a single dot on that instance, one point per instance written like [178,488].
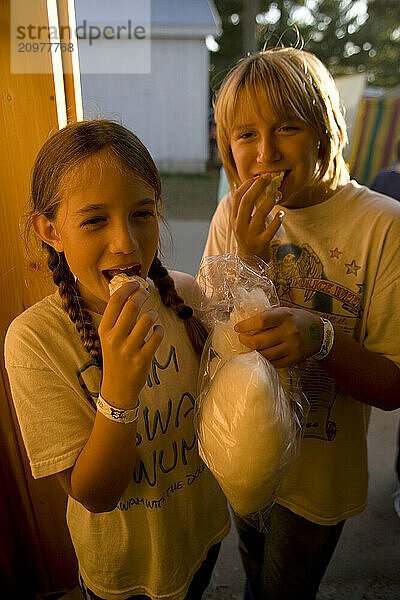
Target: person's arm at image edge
[367,376]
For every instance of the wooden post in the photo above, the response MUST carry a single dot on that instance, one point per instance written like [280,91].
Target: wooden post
[37,555]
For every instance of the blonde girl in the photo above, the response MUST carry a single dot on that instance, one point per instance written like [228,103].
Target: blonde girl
[104,387]
[333,246]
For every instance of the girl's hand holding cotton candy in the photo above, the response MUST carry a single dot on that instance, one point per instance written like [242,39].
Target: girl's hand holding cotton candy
[129,340]
[249,417]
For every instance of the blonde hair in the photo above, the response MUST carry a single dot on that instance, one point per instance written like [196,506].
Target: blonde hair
[291,81]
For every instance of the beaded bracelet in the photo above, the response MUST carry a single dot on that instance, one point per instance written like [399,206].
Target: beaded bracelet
[328,338]
[117,415]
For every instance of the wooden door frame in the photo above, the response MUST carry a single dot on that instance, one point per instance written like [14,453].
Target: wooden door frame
[39,556]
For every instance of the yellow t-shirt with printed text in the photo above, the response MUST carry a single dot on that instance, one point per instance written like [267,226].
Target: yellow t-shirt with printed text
[172,511]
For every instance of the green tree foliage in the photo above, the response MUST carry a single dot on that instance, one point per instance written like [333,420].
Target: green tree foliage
[383,31]
[230,42]
[347,35]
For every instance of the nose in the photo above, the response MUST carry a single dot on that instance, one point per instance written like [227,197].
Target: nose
[268,151]
[123,239]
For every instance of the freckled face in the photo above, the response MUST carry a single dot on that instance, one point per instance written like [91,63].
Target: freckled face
[108,224]
[262,143]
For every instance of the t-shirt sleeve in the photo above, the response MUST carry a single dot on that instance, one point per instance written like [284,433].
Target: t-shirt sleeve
[55,420]
[218,233]
[383,319]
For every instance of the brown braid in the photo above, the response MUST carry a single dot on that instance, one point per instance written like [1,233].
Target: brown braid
[74,305]
[169,296]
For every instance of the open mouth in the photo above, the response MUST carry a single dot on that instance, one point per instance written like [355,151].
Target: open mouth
[276,175]
[129,270]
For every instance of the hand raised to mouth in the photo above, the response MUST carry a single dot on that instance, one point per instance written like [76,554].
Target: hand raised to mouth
[271,188]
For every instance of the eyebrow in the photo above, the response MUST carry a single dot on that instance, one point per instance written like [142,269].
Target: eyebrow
[241,127]
[101,206]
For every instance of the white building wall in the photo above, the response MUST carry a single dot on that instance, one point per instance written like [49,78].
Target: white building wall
[351,89]
[167,109]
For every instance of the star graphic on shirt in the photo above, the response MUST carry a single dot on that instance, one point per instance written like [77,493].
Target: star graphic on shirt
[352,268]
[335,253]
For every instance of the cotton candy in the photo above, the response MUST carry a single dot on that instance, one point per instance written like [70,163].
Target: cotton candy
[122,278]
[245,429]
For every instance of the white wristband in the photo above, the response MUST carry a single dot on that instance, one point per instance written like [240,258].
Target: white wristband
[328,338]
[117,414]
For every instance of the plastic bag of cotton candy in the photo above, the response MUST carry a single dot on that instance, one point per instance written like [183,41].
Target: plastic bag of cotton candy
[249,416]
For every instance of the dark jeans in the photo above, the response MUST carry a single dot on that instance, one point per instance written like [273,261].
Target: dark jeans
[398,457]
[196,589]
[289,561]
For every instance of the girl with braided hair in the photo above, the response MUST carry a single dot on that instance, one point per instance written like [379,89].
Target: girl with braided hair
[104,386]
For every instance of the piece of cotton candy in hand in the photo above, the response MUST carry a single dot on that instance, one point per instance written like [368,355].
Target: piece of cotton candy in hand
[245,428]
[118,280]
[225,340]
[271,188]
[248,304]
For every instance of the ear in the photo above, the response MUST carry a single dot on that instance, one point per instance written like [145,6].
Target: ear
[46,230]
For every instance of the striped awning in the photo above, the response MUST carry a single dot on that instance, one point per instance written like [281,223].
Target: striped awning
[376,133]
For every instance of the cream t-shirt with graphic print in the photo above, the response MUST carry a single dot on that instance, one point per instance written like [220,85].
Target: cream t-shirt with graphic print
[172,511]
[340,260]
